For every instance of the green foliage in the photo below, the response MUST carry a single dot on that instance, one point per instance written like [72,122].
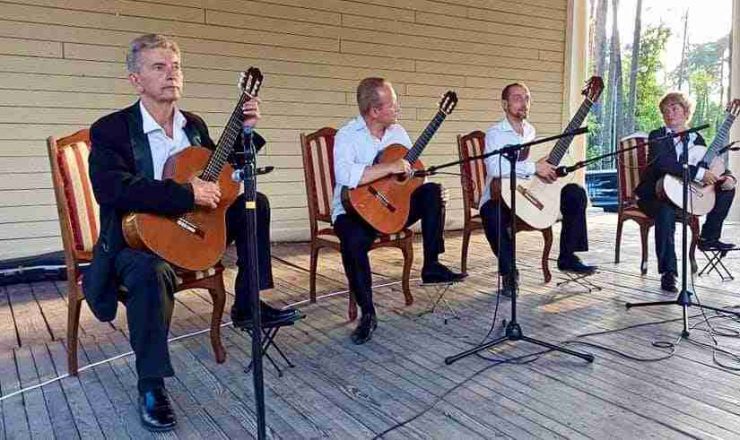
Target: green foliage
[649,91]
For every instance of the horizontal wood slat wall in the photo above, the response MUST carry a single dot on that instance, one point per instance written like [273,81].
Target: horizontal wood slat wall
[61,67]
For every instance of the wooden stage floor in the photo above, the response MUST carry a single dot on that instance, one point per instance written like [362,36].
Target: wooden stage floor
[342,391]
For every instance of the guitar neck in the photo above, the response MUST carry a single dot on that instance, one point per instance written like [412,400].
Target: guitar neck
[225,145]
[562,145]
[720,139]
[414,153]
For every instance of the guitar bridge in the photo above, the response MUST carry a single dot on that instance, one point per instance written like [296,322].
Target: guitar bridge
[190,227]
[381,198]
[530,197]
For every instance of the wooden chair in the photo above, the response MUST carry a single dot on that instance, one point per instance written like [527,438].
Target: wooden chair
[318,168]
[630,166]
[79,221]
[473,180]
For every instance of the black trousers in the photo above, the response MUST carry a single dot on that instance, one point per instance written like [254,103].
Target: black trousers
[151,283]
[356,237]
[664,213]
[573,236]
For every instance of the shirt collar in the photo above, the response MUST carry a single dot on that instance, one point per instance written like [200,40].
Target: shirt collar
[505,125]
[149,124]
[361,125]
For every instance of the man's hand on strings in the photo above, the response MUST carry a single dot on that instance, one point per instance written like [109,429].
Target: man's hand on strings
[206,194]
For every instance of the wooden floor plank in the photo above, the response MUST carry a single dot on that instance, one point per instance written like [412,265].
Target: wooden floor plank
[8,332]
[339,390]
[33,400]
[56,403]
[81,408]
[29,320]
[14,417]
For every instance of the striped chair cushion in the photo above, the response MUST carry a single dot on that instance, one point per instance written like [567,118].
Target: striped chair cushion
[84,212]
[630,165]
[321,153]
[474,172]
[330,235]
[187,277]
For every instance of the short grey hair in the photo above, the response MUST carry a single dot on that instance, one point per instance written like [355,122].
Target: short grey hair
[144,42]
[367,93]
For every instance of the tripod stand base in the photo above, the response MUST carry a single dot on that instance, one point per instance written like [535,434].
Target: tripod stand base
[684,300]
[514,333]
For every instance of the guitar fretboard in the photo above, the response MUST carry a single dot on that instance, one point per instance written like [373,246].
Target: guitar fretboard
[225,145]
[413,154]
[720,139]
[561,147]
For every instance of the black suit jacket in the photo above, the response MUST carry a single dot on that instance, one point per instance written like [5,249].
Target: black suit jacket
[122,177]
[662,160]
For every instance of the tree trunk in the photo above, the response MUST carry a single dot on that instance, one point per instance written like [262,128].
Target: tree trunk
[599,53]
[613,119]
[634,68]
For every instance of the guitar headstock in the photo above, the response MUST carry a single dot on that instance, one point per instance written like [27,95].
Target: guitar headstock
[594,87]
[733,107]
[448,102]
[250,82]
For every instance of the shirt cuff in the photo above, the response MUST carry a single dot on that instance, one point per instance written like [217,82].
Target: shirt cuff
[355,175]
[699,174]
[528,169]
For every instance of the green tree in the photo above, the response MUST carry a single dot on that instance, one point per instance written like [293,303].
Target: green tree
[649,90]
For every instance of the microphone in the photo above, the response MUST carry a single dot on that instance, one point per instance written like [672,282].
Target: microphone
[238,174]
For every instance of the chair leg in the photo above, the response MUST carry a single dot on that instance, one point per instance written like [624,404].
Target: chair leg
[547,236]
[408,259]
[465,243]
[73,325]
[312,273]
[218,295]
[644,233]
[620,223]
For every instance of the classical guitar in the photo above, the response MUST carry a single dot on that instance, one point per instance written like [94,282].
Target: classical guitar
[196,240]
[702,197]
[538,202]
[385,203]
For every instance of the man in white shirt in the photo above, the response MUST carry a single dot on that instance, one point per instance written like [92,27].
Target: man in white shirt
[515,129]
[663,158]
[129,150]
[356,146]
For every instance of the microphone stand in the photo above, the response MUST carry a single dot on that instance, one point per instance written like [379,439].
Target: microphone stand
[684,296]
[565,170]
[513,329]
[248,174]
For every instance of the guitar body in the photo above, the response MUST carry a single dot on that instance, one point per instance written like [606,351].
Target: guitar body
[701,197]
[537,202]
[385,203]
[195,240]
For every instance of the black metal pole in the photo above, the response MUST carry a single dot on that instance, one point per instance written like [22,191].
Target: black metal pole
[250,199]
[513,329]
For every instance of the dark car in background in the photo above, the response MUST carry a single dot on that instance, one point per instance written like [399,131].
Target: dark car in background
[603,189]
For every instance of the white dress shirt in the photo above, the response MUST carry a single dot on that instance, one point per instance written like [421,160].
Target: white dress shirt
[355,149]
[498,136]
[695,154]
[161,145]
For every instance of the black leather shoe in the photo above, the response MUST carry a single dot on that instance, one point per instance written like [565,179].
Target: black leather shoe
[156,411]
[439,273]
[574,264]
[668,282]
[365,329]
[243,319]
[707,245]
[269,312]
